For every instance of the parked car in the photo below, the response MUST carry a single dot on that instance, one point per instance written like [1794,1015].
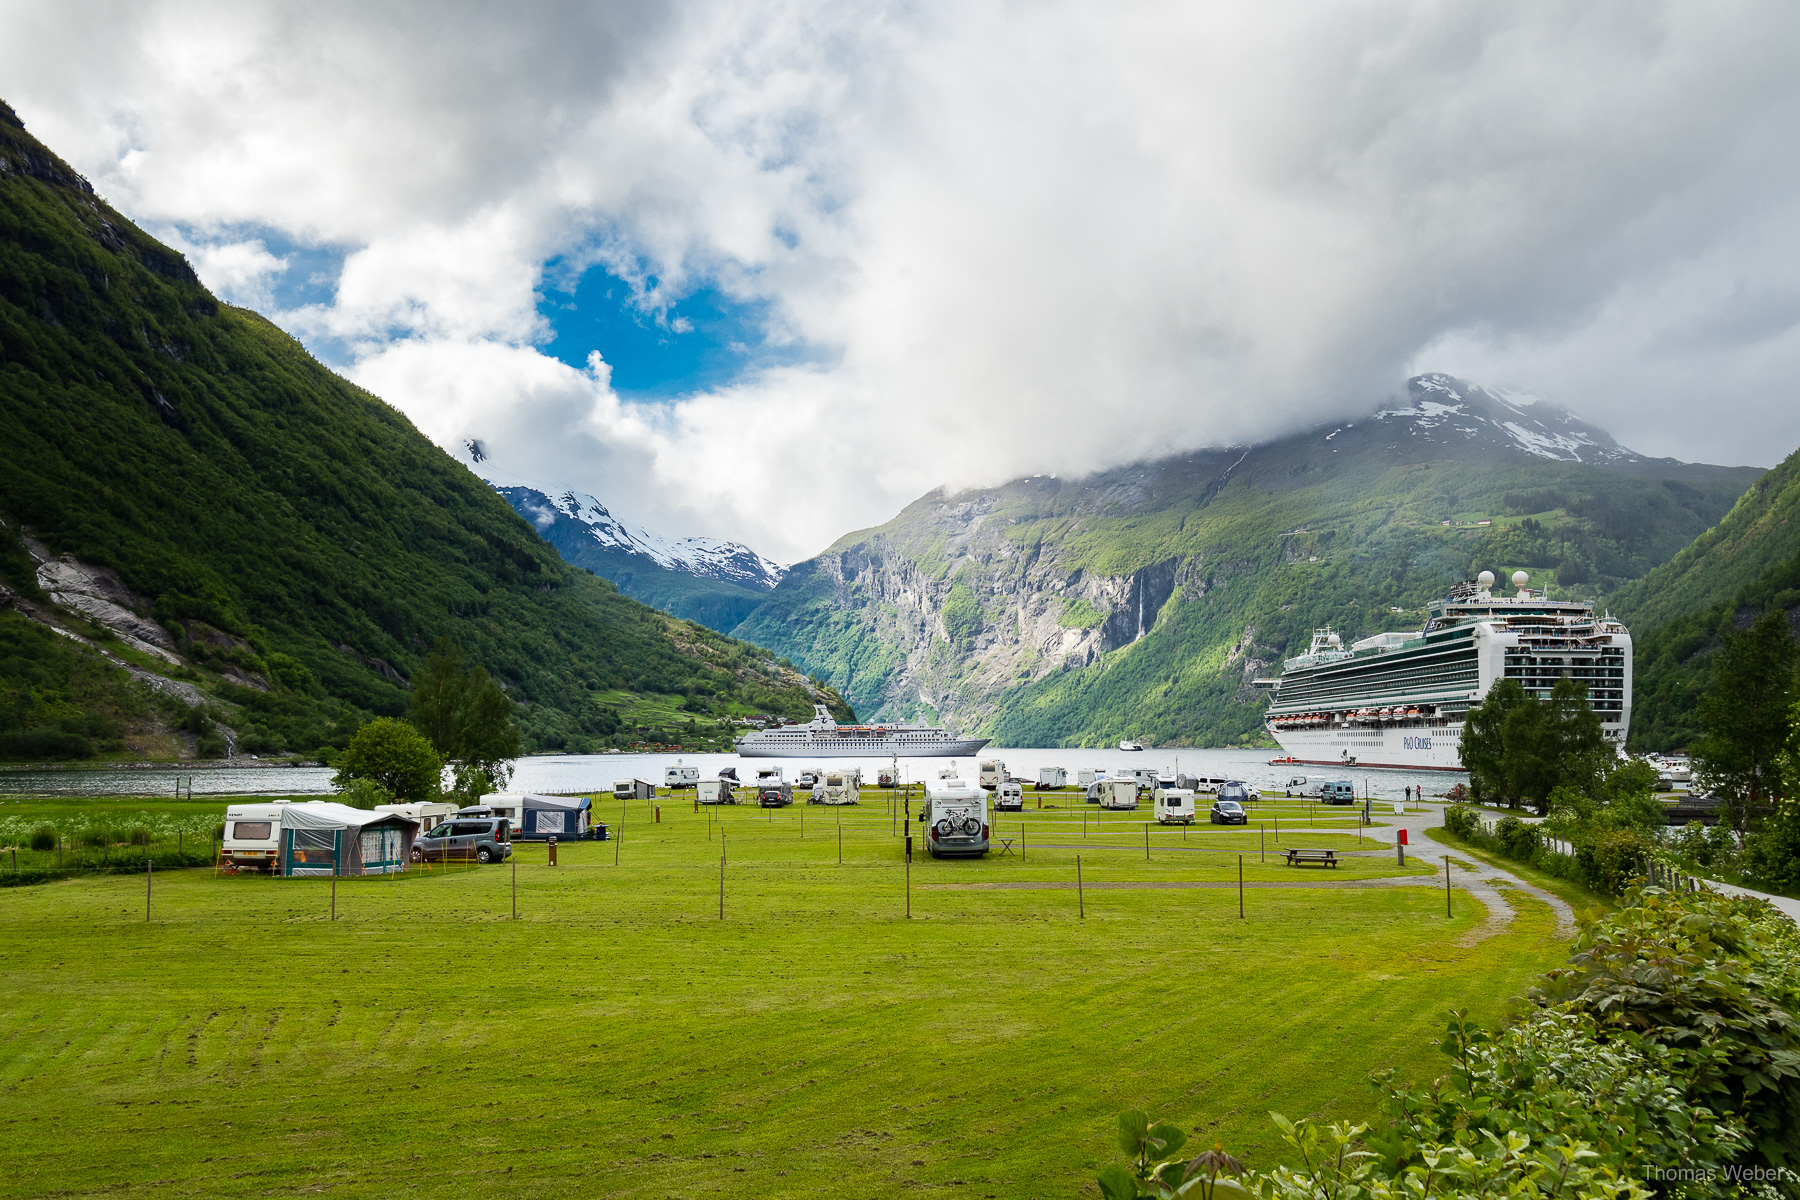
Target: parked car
[1235,789]
[775,795]
[1229,812]
[480,839]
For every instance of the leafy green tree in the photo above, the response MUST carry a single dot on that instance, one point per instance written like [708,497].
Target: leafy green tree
[393,755]
[467,717]
[1744,717]
[1520,750]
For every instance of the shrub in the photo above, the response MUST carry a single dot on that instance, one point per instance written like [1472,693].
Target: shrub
[365,793]
[43,837]
[139,836]
[97,838]
[1517,839]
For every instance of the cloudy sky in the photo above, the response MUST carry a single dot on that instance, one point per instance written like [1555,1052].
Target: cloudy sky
[770,271]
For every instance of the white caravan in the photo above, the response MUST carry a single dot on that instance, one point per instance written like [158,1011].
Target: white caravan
[498,804]
[716,791]
[681,777]
[426,813]
[1010,797]
[1120,794]
[992,774]
[838,787]
[1146,776]
[887,777]
[1088,776]
[1052,777]
[623,788]
[955,818]
[1174,806]
[253,836]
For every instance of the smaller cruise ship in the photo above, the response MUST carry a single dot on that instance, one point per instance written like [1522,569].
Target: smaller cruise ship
[1128,744]
[823,737]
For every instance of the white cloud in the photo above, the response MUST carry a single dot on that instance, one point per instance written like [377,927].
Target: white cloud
[1043,238]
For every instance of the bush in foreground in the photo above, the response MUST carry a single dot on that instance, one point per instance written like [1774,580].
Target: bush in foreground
[1664,1060]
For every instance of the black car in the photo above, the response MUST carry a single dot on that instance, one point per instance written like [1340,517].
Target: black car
[1229,812]
[463,839]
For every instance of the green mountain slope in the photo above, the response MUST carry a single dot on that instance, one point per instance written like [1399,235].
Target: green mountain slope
[232,530]
[1142,601]
[1747,564]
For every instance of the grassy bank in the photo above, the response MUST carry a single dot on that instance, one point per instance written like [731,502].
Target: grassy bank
[620,1039]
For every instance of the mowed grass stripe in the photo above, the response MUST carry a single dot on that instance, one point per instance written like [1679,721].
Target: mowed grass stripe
[814,1042]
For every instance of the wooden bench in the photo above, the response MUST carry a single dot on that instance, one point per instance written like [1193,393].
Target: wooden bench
[1325,858]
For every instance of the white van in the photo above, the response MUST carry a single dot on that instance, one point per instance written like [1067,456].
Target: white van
[1010,797]
[253,836]
[1208,784]
[992,774]
[426,813]
[1174,806]
[808,777]
[1119,794]
[955,818]
[716,791]
[681,777]
[838,787]
[1302,785]
[1089,775]
[1052,777]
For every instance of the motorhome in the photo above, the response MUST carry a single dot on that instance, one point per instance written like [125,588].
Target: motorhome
[681,777]
[807,778]
[1010,797]
[426,813]
[253,836]
[1089,775]
[949,772]
[1120,794]
[991,774]
[887,777]
[1146,776]
[955,818]
[1052,777]
[716,791]
[1174,806]
[768,775]
[838,787]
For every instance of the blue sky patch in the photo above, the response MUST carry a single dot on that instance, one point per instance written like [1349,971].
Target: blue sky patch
[704,340]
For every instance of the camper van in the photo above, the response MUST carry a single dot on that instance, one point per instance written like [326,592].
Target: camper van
[1338,791]
[1174,806]
[838,787]
[1052,777]
[992,774]
[1119,794]
[1010,797]
[716,791]
[253,836]
[1207,784]
[427,814]
[681,777]
[955,819]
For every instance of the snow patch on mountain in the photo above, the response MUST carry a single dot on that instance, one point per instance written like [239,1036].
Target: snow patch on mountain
[709,558]
[1444,408]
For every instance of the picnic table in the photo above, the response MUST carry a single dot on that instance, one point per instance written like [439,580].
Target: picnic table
[1297,857]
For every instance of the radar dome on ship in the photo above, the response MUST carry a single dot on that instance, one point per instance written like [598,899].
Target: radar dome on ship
[1520,579]
[1485,579]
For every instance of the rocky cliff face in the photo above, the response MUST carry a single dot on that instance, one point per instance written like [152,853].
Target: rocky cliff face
[1142,601]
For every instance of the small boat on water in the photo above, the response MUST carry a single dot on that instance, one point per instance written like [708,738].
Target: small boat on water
[1284,762]
[1128,744]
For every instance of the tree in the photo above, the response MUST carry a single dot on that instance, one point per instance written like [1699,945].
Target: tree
[467,717]
[1744,717]
[1519,750]
[395,756]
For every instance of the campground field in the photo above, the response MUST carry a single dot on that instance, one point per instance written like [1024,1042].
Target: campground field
[620,1039]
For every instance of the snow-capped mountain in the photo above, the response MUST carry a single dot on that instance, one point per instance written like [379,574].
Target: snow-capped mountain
[1445,409]
[705,557]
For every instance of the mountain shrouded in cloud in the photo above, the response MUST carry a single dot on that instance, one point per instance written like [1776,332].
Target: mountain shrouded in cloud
[956,244]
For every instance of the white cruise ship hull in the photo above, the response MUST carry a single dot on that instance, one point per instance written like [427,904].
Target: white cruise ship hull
[861,747]
[1420,748]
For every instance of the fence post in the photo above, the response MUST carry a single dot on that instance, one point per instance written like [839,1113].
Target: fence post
[1446,887]
[1240,887]
[515,885]
[721,883]
[334,891]
[1080,899]
[1146,841]
[146,883]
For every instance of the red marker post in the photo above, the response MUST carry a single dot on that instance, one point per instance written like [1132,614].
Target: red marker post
[1400,845]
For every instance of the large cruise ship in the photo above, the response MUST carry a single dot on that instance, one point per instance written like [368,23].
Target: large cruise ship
[1399,699]
[823,737]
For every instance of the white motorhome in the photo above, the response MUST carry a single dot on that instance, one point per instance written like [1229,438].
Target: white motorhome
[1174,806]
[1010,797]
[948,772]
[992,774]
[1052,777]
[1088,776]
[1146,776]
[887,777]
[838,787]
[769,775]
[956,819]
[808,777]
[681,777]
[426,813]
[253,836]
[1120,794]
[716,791]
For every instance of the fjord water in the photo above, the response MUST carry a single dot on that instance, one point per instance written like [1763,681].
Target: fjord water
[596,772]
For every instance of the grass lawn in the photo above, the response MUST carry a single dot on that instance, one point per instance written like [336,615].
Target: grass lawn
[619,1039]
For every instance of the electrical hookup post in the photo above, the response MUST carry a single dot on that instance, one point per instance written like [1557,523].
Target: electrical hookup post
[1400,845]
